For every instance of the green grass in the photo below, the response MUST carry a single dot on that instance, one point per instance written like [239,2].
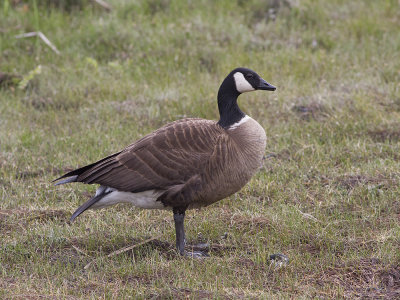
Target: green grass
[327,196]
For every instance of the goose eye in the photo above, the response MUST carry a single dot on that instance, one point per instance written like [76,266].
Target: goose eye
[249,75]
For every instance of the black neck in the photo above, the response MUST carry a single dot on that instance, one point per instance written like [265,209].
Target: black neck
[229,111]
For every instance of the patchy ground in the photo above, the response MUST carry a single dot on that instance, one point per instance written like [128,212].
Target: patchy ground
[327,195]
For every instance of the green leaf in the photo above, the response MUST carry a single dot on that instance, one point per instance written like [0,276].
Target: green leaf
[28,77]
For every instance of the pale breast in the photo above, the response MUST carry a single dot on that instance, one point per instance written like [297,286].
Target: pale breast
[238,157]
[250,140]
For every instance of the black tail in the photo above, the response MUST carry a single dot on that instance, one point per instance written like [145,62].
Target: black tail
[100,193]
[75,173]
[68,180]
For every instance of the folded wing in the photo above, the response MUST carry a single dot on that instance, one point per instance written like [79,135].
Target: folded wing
[168,157]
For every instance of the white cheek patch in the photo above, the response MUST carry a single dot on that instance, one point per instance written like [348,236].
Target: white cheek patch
[242,85]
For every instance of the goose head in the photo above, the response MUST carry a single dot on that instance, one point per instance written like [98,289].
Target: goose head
[247,80]
[240,80]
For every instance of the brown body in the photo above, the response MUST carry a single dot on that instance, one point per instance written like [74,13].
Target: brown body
[193,162]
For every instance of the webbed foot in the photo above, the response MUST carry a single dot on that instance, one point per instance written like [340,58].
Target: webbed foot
[196,254]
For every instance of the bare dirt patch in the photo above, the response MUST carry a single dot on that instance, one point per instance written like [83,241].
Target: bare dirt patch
[367,278]
[351,181]
[383,135]
[66,257]
[311,244]
[9,80]
[184,293]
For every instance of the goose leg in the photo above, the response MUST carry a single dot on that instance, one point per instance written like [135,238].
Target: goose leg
[180,231]
[179,217]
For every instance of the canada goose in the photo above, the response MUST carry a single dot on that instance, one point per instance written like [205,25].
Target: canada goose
[185,164]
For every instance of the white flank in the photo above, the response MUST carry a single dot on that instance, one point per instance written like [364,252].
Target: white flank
[146,199]
[242,85]
[237,124]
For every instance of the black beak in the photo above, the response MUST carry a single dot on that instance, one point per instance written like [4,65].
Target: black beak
[263,85]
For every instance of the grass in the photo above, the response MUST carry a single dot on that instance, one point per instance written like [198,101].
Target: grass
[327,195]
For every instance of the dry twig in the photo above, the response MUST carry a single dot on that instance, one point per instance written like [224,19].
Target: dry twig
[122,250]
[80,251]
[103,4]
[41,36]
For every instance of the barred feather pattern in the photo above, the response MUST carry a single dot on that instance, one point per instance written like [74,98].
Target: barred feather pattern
[193,162]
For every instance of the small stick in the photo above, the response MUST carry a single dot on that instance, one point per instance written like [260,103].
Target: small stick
[103,4]
[22,227]
[80,251]
[307,216]
[24,35]
[48,43]
[122,250]
[42,37]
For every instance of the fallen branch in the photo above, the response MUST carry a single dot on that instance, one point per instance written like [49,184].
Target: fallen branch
[103,4]
[122,250]
[42,37]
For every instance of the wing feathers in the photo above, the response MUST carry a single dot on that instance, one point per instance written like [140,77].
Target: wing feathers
[169,157]
[80,171]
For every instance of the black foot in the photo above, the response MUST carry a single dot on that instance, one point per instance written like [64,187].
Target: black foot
[203,247]
[198,250]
